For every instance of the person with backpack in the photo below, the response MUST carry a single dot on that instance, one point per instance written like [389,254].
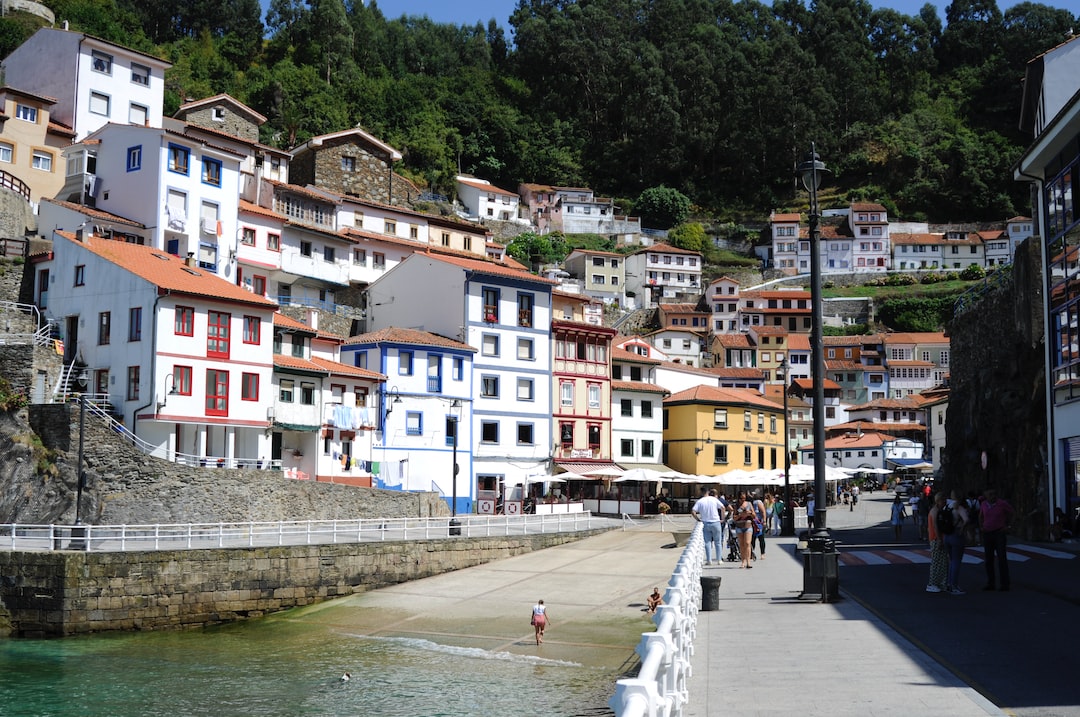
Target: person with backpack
[778,516]
[939,559]
[952,522]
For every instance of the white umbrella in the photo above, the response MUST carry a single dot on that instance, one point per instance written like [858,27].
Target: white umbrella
[735,476]
[642,474]
[878,471]
[563,477]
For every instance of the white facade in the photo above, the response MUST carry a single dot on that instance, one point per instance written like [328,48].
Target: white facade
[485,305]
[663,272]
[723,297]
[94,82]
[483,200]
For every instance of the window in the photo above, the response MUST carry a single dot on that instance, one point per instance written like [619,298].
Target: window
[138,115]
[489,345]
[99,103]
[772,424]
[140,75]
[285,390]
[405,363]
[101,62]
[378,260]
[297,345]
[133,382]
[566,393]
[217,334]
[594,436]
[646,409]
[359,257]
[42,160]
[719,453]
[626,407]
[747,419]
[7,151]
[305,248]
[626,448]
[647,450]
[211,172]
[217,392]
[525,310]
[489,386]
[489,432]
[252,329]
[247,236]
[491,305]
[249,387]
[525,389]
[348,164]
[135,323]
[307,393]
[328,254]
[445,239]
[594,395]
[458,370]
[525,434]
[178,159]
[104,327]
[184,321]
[182,380]
[747,455]
[761,422]
[26,113]
[134,158]
[525,349]
[566,434]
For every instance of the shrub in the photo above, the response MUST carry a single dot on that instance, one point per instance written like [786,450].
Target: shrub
[972,273]
[930,278]
[900,280]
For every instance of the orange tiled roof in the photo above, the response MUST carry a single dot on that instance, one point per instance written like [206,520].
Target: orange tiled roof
[637,386]
[485,187]
[249,207]
[489,267]
[621,354]
[95,213]
[407,336]
[714,394]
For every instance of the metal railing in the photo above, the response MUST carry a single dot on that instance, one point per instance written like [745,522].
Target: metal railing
[660,687]
[206,536]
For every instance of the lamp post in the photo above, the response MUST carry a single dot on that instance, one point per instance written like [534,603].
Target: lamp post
[811,171]
[787,526]
[705,439]
[454,420]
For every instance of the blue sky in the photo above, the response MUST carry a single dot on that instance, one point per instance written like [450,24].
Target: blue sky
[467,12]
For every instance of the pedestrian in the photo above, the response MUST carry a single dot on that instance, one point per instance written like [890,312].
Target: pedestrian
[956,541]
[854,496]
[896,518]
[761,519]
[811,501]
[744,529]
[709,511]
[995,519]
[540,620]
[939,559]
[778,516]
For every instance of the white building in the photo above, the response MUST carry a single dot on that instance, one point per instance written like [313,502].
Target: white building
[637,412]
[93,81]
[484,201]
[663,272]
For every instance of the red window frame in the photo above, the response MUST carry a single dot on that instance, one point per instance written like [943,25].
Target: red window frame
[217,334]
[182,380]
[184,322]
[247,236]
[249,386]
[258,284]
[252,329]
[217,392]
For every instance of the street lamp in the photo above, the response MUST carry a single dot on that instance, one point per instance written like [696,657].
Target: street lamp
[453,419]
[174,391]
[811,171]
[787,525]
[706,439]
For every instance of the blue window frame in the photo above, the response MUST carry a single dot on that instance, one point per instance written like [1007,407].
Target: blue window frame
[134,158]
[405,363]
[179,159]
[459,368]
[414,423]
[211,172]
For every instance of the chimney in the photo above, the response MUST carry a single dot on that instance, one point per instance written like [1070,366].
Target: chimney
[313,319]
[79,236]
[190,261]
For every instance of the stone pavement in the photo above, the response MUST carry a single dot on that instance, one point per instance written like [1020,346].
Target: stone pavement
[768,652]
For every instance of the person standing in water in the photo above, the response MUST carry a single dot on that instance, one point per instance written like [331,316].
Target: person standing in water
[539,620]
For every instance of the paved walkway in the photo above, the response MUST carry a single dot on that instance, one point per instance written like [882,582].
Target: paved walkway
[767,652]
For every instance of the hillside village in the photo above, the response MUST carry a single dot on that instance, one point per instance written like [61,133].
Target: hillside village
[228,304]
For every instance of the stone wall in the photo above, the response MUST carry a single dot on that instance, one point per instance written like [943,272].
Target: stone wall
[68,593]
[997,402]
[371,178]
[16,215]
[233,122]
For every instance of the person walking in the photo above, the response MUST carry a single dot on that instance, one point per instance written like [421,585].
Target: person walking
[995,519]
[955,541]
[539,620]
[811,501]
[744,529]
[761,519]
[710,511]
[896,517]
[778,516]
[939,559]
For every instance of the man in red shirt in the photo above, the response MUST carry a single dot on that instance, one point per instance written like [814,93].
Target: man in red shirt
[995,518]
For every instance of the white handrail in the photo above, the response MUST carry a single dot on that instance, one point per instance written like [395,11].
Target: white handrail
[660,690]
[195,536]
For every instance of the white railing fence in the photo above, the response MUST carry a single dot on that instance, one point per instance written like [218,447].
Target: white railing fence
[195,536]
[660,690]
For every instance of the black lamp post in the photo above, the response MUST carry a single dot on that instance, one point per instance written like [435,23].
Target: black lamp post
[787,520]
[811,172]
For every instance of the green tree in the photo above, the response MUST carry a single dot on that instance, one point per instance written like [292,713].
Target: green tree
[690,236]
[534,250]
[662,206]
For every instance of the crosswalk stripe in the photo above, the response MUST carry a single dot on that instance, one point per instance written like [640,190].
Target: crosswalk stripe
[972,556]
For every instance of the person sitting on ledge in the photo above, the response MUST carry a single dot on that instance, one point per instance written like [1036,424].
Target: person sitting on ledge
[655,600]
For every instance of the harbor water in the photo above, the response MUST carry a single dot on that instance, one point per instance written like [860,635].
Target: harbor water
[289,665]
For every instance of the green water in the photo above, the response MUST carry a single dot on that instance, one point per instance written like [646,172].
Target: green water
[282,667]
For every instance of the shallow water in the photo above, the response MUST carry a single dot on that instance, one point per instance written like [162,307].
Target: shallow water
[288,667]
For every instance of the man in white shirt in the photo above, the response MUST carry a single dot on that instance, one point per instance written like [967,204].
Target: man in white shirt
[710,511]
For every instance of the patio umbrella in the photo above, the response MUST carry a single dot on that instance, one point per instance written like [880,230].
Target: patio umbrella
[562,477]
[642,474]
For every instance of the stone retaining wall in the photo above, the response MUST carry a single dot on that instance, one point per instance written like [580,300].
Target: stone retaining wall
[68,593]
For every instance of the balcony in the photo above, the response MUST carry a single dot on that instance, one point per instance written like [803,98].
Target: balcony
[434,384]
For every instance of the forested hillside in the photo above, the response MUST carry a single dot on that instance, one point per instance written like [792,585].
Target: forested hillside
[716,98]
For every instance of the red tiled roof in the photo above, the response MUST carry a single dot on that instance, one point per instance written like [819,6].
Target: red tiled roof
[714,394]
[621,354]
[250,208]
[92,212]
[407,336]
[737,372]
[341,369]
[475,184]
[637,386]
[167,271]
[482,266]
[666,249]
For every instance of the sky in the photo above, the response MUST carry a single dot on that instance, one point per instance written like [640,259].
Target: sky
[469,12]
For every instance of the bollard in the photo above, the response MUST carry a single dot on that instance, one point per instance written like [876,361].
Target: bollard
[710,593]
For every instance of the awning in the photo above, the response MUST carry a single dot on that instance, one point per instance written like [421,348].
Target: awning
[648,466]
[913,463]
[583,468]
[300,427]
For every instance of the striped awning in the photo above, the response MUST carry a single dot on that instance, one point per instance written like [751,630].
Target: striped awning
[583,468]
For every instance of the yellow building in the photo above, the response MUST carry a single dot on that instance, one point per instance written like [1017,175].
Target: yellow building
[710,430]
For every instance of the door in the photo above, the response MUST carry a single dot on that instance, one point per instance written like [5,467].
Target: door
[71,339]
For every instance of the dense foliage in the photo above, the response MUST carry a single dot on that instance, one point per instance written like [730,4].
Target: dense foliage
[715,99]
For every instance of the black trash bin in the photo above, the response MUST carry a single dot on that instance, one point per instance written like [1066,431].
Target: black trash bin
[821,568]
[455,526]
[710,593]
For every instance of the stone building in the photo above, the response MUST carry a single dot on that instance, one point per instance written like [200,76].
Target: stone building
[354,163]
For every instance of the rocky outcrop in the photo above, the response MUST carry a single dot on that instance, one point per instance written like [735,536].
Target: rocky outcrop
[997,400]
